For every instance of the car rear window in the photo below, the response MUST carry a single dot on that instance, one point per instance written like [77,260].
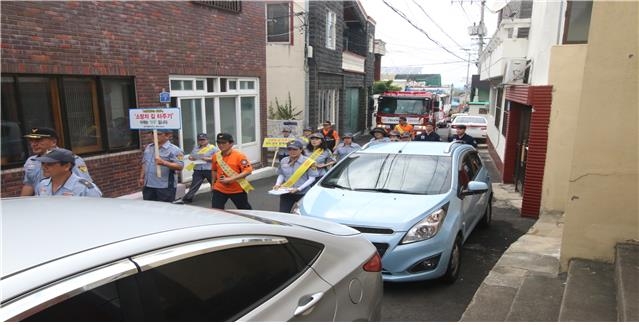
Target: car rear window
[470,120]
[392,173]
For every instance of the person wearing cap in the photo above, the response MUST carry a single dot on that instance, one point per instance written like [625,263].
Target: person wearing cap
[330,135]
[42,140]
[161,188]
[230,168]
[461,135]
[294,173]
[403,127]
[319,151]
[393,136]
[347,146]
[405,137]
[379,136]
[429,134]
[203,152]
[57,166]
[306,133]
[282,152]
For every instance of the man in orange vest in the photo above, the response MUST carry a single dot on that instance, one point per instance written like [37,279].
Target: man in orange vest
[229,168]
[404,127]
[330,135]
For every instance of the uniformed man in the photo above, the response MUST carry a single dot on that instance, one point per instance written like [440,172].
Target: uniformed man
[57,166]
[230,168]
[161,188]
[281,152]
[295,174]
[429,134]
[42,140]
[306,133]
[403,127]
[462,136]
[346,147]
[330,135]
[203,155]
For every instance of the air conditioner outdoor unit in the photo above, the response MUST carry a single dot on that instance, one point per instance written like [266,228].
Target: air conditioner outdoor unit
[515,71]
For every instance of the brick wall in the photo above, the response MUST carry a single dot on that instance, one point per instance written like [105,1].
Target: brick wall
[146,39]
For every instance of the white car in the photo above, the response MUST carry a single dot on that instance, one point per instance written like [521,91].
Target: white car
[97,259]
[476,126]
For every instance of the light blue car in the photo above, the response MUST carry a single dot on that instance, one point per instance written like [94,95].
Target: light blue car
[417,202]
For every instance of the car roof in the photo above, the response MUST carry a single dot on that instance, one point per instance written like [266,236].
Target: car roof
[38,230]
[424,148]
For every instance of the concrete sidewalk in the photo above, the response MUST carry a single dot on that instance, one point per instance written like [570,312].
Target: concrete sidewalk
[525,284]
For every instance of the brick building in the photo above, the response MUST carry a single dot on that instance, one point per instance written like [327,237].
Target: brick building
[79,66]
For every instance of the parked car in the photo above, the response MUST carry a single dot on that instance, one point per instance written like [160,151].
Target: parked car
[85,259]
[417,202]
[476,126]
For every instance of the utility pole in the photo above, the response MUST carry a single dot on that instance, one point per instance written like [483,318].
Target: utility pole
[482,29]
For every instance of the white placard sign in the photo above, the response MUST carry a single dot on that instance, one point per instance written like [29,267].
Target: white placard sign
[155,118]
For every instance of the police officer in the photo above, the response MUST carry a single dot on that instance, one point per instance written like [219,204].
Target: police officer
[347,146]
[56,166]
[294,174]
[429,135]
[281,152]
[161,188]
[462,136]
[306,133]
[203,152]
[42,140]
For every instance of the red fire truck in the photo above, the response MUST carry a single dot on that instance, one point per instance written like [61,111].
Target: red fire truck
[419,108]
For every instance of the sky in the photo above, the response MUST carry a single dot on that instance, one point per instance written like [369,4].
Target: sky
[408,47]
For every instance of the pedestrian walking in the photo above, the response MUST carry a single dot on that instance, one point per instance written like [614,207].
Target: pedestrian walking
[57,166]
[306,133]
[319,151]
[393,136]
[379,136]
[201,157]
[295,175]
[347,146]
[330,135]
[403,127]
[429,134]
[230,168]
[42,140]
[161,188]
[281,152]
[461,135]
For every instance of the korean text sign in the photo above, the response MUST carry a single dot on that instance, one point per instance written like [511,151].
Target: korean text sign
[155,118]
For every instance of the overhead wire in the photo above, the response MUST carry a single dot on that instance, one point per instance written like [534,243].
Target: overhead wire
[401,14]
[436,24]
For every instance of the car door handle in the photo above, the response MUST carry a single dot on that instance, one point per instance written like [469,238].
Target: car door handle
[306,303]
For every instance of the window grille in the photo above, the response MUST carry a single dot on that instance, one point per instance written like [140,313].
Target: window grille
[232,6]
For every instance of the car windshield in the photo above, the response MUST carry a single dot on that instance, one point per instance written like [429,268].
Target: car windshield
[470,120]
[392,105]
[392,173]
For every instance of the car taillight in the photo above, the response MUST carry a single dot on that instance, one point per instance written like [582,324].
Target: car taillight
[374,264]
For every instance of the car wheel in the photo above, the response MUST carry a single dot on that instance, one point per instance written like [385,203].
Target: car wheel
[454,263]
[488,214]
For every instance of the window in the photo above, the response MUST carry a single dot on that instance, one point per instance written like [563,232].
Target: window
[328,104]
[223,285]
[331,32]
[227,5]
[248,119]
[182,85]
[89,114]
[522,32]
[247,84]
[577,22]
[278,18]
[498,104]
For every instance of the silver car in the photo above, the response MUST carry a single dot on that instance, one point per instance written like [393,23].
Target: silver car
[476,126]
[92,259]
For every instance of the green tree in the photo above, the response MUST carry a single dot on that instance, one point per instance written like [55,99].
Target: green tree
[384,85]
[284,111]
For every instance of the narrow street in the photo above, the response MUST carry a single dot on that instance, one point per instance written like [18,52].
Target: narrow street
[431,300]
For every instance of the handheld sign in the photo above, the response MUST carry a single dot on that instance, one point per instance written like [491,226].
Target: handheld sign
[153,119]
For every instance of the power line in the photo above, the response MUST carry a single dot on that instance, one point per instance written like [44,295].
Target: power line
[401,14]
[436,24]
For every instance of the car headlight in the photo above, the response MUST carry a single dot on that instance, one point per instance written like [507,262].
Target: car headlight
[427,228]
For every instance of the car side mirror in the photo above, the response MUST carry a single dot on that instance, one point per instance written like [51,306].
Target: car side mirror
[475,187]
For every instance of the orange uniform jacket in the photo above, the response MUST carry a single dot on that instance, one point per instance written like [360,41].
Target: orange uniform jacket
[406,128]
[238,162]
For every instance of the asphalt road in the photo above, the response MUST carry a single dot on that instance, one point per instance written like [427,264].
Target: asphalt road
[430,300]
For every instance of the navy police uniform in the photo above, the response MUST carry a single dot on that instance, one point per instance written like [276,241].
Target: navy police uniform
[433,136]
[467,139]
